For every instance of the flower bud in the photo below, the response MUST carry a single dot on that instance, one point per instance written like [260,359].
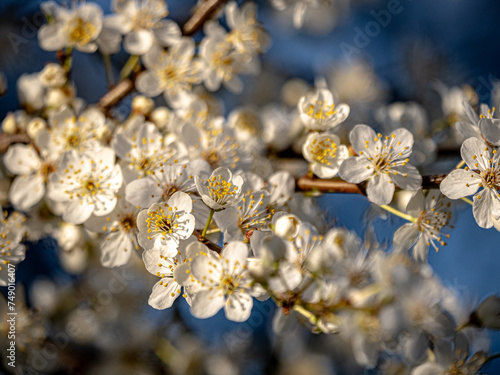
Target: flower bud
[35,126]
[30,92]
[142,105]
[53,75]
[488,312]
[9,124]
[287,226]
[161,117]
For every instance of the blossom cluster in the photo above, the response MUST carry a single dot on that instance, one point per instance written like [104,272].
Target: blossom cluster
[201,199]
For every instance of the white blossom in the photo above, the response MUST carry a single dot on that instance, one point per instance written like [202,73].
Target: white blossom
[221,189]
[78,27]
[224,283]
[319,112]
[383,161]
[432,215]
[325,153]
[482,172]
[86,183]
[163,225]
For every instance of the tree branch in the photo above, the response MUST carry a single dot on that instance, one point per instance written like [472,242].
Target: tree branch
[205,11]
[307,183]
[193,24]
[7,139]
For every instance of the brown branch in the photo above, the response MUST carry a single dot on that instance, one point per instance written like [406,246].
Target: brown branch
[205,11]
[206,242]
[327,186]
[116,94]
[125,87]
[7,139]
[307,183]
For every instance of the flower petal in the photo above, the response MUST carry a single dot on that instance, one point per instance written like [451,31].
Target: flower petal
[116,249]
[238,307]
[207,303]
[380,189]
[356,169]
[138,42]
[164,293]
[460,183]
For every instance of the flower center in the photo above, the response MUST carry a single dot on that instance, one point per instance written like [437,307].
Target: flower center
[82,31]
[228,284]
[323,150]
[161,222]
[320,110]
[212,157]
[219,189]
[491,178]
[73,140]
[91,187]
[46,170]
[127,223]
[169,191]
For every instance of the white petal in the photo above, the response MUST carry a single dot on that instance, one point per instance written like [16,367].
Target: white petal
[359,135]
[454,186]
[181,201]
[428,369]
[26,191]
[405,236]
[380,189]
[207,303]
[421,249]
[490,129]
[168,32]
[407,178]
[116,249]
[21,159]
[161,296]
[234,257]
[77,212]
[482,208]
[356,169]
[235,84]
[238,307]
[206,270]
[143,192]
[468,130]
[138,42]
[416,204]
[148,83]
[50,38]
[471,150]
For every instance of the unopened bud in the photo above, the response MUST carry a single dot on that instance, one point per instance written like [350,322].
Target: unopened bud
[161,117]
[35,126]
[488,312]
[287,226]
[142,105]
[9,124]
[53,75]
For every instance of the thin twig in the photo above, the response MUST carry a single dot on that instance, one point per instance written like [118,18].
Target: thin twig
[307,183]
[7,139]
[125,87]
[205,11]
[327,186]
[206,242]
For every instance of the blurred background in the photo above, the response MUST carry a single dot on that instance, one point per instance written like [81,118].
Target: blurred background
[96,320]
